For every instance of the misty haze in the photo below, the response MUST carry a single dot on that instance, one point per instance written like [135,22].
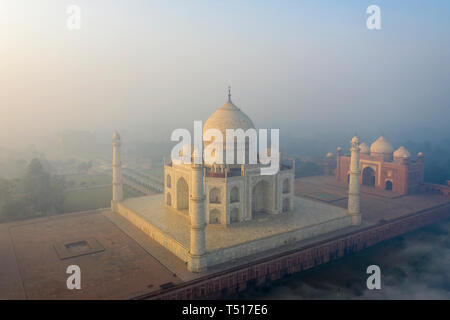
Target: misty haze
[86,117]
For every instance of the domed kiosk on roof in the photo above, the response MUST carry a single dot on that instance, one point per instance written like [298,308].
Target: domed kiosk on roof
[401,153]
[381,147]
[364,148]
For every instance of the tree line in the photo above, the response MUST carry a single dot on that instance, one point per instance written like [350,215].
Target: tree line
[37,193]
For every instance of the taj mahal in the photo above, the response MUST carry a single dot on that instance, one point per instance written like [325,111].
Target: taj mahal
[214,214]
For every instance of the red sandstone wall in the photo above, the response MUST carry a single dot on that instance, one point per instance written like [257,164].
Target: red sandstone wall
[436,189]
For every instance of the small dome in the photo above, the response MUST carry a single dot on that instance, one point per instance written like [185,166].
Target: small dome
[420,155]
[364,148]
[401,153]
[226,117]
[329,155]
[381,146]
[185,149]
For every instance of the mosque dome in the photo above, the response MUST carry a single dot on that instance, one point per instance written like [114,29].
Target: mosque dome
[381,146]
[228,116]
[364,148]
[401,153]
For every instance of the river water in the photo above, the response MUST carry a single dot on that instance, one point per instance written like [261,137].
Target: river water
[413,266]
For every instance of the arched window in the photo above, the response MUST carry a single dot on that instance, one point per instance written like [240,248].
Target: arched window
[286,186]
[234,195]
[214,195]
[182,195]
[169,199]
[388,185]
[214,216]
[168,181]
[234,215]
[286,204]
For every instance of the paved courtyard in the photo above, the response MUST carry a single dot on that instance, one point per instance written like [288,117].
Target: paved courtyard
[376,204]
[32,268]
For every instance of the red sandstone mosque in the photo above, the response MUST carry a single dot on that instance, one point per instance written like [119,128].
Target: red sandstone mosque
[381,167]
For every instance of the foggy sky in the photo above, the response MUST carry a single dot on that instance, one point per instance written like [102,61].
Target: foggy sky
[147,67]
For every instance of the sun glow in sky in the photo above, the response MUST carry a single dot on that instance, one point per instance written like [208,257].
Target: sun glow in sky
[300,65]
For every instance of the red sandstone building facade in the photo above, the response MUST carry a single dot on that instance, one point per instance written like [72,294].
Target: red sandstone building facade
[382,167]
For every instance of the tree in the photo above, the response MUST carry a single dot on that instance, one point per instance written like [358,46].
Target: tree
[5,191]
[84,166]
[36,184]
[43,192]
[5,195]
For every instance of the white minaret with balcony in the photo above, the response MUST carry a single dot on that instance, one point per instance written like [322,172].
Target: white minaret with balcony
[117,187]
[354,184]
[197,246]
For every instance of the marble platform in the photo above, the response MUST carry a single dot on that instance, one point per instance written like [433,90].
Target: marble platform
[170,228]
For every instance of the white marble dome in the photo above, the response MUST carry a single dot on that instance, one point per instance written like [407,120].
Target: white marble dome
[401,153]
[228,116]
[364,148]
[381,146]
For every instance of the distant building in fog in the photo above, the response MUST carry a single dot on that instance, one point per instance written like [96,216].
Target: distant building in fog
[381,167]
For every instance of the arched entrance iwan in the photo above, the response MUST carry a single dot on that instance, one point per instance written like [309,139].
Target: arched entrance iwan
[368,177]
[261,197]
[182,195]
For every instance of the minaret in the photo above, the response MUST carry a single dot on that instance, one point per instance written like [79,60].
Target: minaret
[354,185]
[197,249]
[117,195]
[338,163]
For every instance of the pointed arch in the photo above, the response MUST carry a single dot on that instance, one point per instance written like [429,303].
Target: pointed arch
[261,197]
[214,216]
[286,186]
[286,204]
[234,195]
[214,195]
[182,194]
[388,185]
[368,177]
[234,215]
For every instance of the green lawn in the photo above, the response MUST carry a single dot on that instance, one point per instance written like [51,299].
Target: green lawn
[92,198]
[87,199]
[83,180]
